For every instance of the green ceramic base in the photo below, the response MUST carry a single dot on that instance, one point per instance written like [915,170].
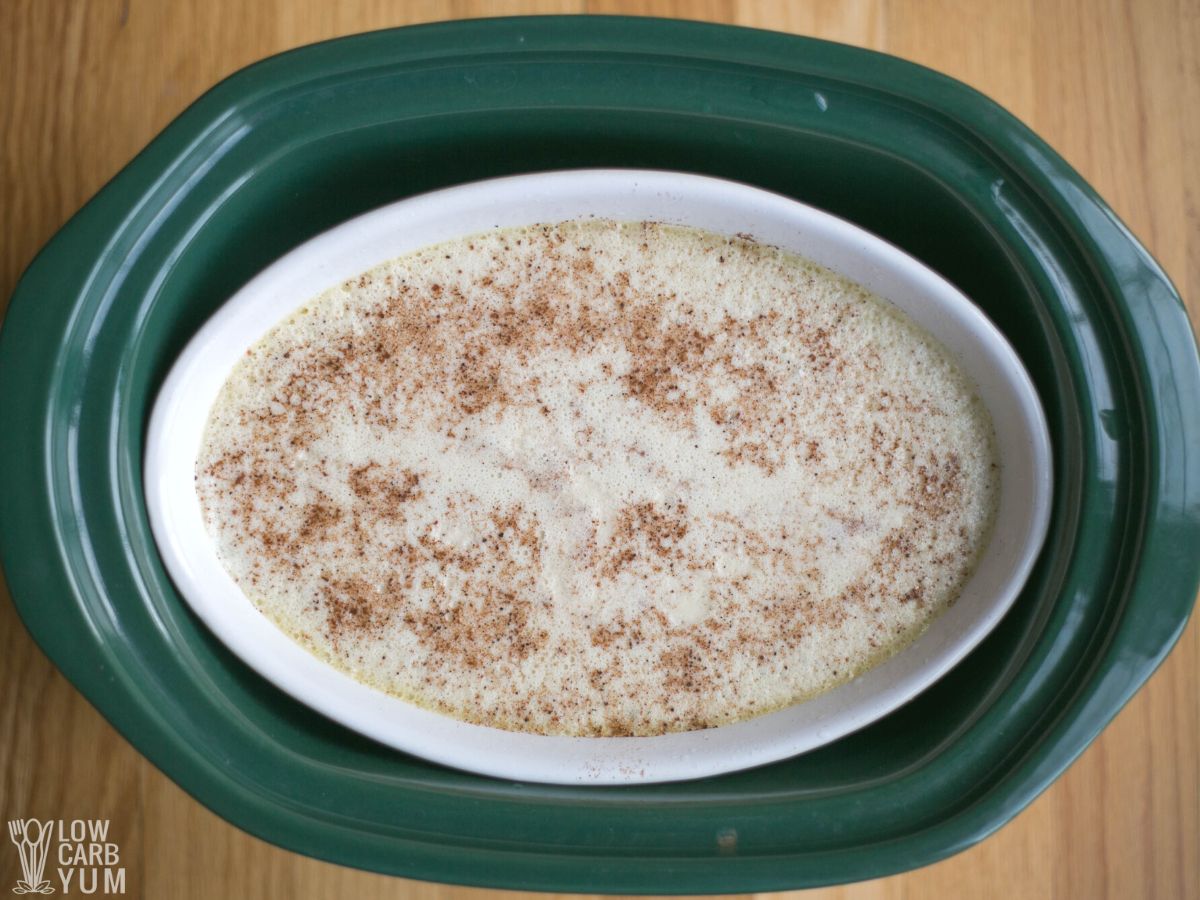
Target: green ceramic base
[287,148]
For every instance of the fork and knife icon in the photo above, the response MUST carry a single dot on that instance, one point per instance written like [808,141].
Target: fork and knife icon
[33,842]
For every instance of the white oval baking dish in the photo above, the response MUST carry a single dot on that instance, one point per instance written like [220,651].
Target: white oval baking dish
[181,409]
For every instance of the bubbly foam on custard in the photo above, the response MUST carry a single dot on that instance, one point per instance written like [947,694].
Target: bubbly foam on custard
[599,478]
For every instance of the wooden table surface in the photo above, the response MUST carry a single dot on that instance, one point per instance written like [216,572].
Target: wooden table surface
[1113,86]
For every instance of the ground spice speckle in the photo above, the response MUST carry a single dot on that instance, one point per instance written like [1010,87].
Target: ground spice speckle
[599,478]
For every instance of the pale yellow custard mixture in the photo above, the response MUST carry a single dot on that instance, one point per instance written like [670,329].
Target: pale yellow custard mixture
[599,478]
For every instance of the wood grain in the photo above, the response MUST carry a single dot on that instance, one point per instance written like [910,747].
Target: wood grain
[1114,86]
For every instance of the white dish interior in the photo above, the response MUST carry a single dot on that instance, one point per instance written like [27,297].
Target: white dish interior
[182,408]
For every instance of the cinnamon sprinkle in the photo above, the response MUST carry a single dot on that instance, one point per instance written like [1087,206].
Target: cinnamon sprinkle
[599,478]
